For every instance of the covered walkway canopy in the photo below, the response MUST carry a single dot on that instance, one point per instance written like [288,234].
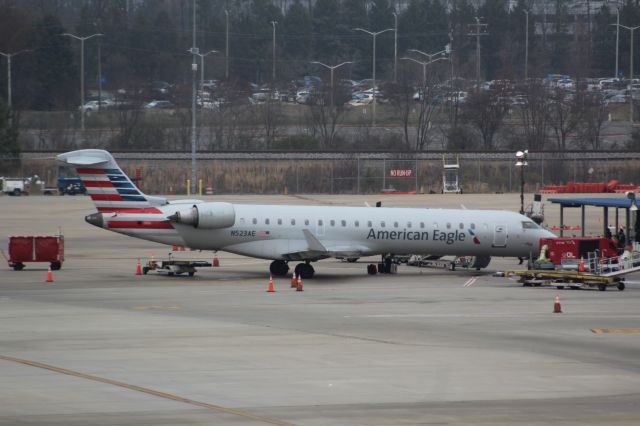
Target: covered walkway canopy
[625,203]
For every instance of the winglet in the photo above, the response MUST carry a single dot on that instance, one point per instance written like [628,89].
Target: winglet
[312,242]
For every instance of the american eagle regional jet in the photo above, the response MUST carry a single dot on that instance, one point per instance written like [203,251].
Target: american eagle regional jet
[285,233]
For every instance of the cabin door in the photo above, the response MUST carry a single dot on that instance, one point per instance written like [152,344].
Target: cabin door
[500,236]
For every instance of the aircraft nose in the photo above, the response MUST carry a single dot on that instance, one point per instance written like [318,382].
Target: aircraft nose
[95,219]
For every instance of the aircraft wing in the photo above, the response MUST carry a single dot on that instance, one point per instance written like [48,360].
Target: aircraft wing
[317,250]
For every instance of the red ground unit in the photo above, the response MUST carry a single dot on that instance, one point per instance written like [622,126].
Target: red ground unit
[24,249]
[578,247]
[588,188]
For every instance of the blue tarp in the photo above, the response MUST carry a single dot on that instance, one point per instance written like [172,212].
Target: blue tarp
[623,203]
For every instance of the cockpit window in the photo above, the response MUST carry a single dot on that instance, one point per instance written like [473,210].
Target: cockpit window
[529,225]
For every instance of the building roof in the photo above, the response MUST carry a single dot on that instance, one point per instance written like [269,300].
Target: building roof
[623,203]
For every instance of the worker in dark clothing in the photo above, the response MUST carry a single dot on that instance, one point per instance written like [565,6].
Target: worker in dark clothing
[621,238]
[607,233]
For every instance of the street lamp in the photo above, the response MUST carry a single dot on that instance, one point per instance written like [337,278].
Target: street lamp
[631,30]
[373,35]
[430,55]
[226,48]
[331,68]
[424,66]
[395,47]
[82,40]
[9,56]
[273,70]
[526,46]
[202,55]
[521,161]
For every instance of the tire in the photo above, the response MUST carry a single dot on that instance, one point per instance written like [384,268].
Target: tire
[55,266]
[17,192]
[145,269]
[18,266]
[191,273]
[352,259]
[371,269]
[602,287]
[621,286]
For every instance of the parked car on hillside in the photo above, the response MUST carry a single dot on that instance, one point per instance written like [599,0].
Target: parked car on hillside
[92,106]
[159,105]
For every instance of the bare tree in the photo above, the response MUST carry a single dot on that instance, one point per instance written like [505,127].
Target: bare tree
[594,115]
[325,116]
[564,114]
[485,110]
[533,114]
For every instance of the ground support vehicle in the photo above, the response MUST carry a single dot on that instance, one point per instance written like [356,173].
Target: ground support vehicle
[15,186]
[23,249]
[173,267]
[592,272]
[438,262]
[70,186]
[562,279]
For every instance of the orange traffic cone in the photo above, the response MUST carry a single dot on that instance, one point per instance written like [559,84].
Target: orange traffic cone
[299,286]
[216,262]
[294,281]
[49,275]
[138,268]
[557,308]
[271,289]
[581,265]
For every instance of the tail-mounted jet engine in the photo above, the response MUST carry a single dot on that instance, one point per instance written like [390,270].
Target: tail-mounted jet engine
[206,216]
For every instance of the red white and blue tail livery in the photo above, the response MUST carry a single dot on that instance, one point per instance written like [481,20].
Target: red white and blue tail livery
[285,233]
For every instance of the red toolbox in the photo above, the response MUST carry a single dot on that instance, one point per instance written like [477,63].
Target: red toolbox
[24,249]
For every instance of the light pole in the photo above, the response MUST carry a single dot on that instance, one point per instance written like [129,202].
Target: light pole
[631,30]
[194,71]
[226,48]
[395,47]
[373,35]
[273,70]
[424,67]
[617,37]
[331,68]
[202,55]
[526,46]
[9,56]
[82,40]
[521,161]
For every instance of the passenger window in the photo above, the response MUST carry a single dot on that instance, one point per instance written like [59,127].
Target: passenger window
[382,225]
[448,225]
[421,224]
[266,221]
[408,224]
[356,223]
[242,221]
[344,223]
[293,221]
[320,223]
[461,225]
[306,221]
[435,225]
[369,224]
[255,221]
[473,226]
[332,222]
[395,224]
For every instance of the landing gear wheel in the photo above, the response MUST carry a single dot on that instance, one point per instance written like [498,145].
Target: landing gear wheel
[191,273]
[371,269]
[145,270]
[55,266]
[621,286]
[279,268]
[304,270]
[352,259]
[602,287]
[18,266]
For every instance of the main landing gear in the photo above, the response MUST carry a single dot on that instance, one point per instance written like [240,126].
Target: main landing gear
[305,270]
[279,268]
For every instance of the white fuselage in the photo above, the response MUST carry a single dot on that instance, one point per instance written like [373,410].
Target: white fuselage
[276,231]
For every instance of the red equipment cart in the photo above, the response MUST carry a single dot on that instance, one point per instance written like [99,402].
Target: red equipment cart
[36,249]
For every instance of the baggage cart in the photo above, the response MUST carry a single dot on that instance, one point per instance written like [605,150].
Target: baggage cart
[24,249]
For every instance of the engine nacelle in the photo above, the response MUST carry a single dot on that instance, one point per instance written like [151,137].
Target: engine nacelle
[206,216]
[480,262]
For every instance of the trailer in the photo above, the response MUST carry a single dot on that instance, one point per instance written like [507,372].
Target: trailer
[171,267]
[23,249]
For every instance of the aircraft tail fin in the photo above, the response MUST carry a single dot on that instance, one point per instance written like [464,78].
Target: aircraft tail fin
[109,187]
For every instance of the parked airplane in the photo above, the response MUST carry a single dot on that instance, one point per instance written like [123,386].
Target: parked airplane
[285,233]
